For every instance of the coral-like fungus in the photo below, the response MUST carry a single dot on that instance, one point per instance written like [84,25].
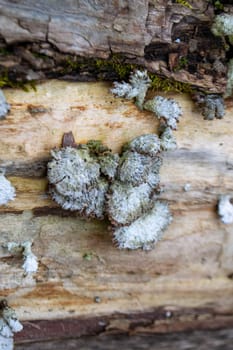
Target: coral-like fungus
[7,191]
[96,183]
[9,324]
[30,264]
[4,106]
[225,209]
[165,108]
[137,87]
[212,106]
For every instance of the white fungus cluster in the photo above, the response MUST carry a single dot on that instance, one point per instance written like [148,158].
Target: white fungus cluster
[167,139]
[137,217]
[212,105]
[139,82]
[30,264]
[94,182]
[7,191]
[229,87]
[145,231]
[4,106]
[225,209]
[79,177]
[223,26]
[9,324]
[165,108]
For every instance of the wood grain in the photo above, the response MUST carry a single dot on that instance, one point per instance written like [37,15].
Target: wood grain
[191,267]
[221,339]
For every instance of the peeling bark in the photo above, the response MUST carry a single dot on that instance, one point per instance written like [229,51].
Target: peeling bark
[167,38]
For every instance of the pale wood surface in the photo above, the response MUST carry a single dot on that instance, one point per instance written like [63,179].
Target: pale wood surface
[190,268]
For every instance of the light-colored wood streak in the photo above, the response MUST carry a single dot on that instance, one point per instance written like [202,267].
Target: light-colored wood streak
[191,266]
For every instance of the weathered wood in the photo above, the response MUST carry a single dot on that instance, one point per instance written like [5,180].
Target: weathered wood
[196,340]
[190,269]
[165,37]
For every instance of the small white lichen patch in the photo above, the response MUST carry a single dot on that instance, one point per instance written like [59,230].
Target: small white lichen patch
[166,108]
[229,87]
[187,187]
[145,144]
[168,141]
[223,26]
[126,202]
[76,182]
[225,209]
[136,168]
[30,264]
[4,106]
[137,87]
[9,324]
[7,191]
[146,230]
[211,105]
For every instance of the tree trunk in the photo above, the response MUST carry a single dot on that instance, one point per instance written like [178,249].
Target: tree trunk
[85,285]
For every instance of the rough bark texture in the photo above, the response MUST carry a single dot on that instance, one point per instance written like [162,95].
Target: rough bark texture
[84,284]
[165,37]
[217,340]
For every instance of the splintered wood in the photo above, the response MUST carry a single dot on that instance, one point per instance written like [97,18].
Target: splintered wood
[191,267]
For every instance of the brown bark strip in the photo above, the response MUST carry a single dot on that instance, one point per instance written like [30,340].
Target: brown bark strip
[161,320]
[202,340]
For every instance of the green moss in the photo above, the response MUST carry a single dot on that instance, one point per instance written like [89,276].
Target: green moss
[4,51]
[5,81]
[114,65]
[168,85]
[184,3]
[218,5]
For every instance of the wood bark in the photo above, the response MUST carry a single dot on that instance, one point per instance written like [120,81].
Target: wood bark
[167,38]
[86,286]
[221,339]
[185,283]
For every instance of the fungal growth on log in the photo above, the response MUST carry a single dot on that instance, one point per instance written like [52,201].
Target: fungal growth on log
[4,106]
[165,108]
[9,324]
[223,27]
[7,191]
[137,87]
[30,264]
[79,177]
[137,217]
[212,105]
[89,179]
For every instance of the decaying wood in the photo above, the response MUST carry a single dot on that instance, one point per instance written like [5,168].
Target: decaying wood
[184,283]
[196,340]
[165,37]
